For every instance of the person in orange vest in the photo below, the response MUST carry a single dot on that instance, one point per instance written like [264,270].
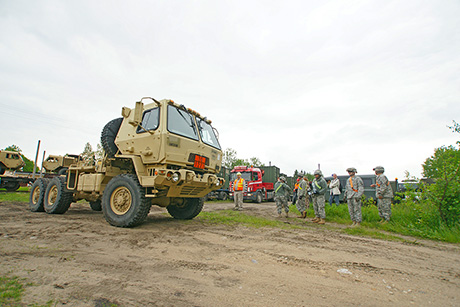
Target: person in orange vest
[353,193]
[296,188]
[239,185]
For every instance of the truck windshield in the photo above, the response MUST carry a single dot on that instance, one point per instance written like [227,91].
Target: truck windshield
[181,122]
[245,175]
[207,133]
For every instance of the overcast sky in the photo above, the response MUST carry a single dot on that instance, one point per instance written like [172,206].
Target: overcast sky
[294,83]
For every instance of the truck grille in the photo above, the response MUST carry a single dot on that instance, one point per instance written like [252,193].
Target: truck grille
[188,191]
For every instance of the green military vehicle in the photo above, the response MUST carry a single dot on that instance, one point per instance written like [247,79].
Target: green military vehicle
[60,164]
[160,153]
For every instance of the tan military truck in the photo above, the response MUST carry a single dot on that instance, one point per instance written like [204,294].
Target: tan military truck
[10,162]
[160,153]
[60,164]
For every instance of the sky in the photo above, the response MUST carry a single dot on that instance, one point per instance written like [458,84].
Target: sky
[297,84]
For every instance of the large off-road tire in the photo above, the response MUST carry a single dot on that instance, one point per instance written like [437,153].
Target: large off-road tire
[12,186]
[108,135]
[37,195]
[96,205]
[124,203]
[188,209]
[57,199]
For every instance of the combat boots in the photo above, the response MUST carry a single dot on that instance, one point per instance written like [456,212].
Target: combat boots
[304,215]
[321,221]
[315,220]
[287,214]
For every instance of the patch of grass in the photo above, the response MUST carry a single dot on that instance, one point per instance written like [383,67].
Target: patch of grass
[230,217]
[11,291]
[21,195]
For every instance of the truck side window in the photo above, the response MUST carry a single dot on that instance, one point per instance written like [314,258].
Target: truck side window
[150,120]
[255,175]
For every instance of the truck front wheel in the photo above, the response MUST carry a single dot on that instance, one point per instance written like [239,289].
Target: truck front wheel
[185,208]
[124,203]
[12,186]
[37,195]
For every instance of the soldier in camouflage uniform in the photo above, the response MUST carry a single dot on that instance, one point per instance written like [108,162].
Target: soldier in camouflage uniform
[383,193]
[302,198]
[353,193]
[281,192]
[319,187]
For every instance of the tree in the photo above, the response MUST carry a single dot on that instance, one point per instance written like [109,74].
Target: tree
[444,168]
[230,160]
[88,155]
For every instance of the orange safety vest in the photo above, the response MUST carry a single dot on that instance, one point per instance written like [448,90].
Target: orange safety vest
[238,185]
[296,186]
[351,184]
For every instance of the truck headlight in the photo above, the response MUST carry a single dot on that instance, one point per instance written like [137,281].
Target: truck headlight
[175,177]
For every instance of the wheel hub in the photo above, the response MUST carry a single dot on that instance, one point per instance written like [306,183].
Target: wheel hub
[52,195]
[36,195]
[121,200]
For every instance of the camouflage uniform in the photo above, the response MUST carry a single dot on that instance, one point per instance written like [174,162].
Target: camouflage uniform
[353,196]
[281,192]
[301,196]
[319,187]
[383,189]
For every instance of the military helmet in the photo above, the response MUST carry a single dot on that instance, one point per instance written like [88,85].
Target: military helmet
[318,172]
[352,169]
[379,169]
[282,178]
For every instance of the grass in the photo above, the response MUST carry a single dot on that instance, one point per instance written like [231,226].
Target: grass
[11,290]
[21,195]
[230,217]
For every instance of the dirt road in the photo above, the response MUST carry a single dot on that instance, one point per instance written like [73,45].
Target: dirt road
[78,259]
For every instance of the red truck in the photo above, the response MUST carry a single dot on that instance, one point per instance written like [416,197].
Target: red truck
[259,182]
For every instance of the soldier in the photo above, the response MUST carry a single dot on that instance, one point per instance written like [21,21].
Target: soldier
[383,193]
[296,187]
[302,198]
[281,190]
[319,187]
[239,185]
[353,193]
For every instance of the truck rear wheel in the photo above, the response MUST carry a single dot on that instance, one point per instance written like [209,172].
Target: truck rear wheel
[108,135]
[37,195]
[124,203]
[57,199]
[223,196]
[186,208]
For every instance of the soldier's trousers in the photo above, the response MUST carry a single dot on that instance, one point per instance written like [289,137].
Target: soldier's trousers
[384,206]
[354,208]
[300,204]
[281,202]
[238,197]
[318,205]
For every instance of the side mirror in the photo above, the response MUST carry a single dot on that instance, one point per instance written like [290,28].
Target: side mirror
[137,116]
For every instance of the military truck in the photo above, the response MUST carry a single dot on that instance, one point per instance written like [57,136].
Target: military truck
[60,164]
[160,153]
[10,163]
